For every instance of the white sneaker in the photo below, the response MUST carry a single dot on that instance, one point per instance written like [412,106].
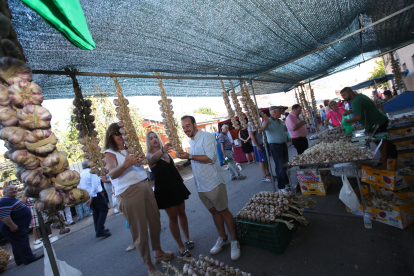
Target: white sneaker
[130,248]
[283,191]
[220,244]
[116,211]
[235,250]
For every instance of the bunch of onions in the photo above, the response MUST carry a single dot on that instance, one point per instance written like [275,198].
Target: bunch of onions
[13,70]
[24,92]
[54,163]
[67,180]
[8,116]
[34,116]
[36,178]
[15,136]
[24,158]
[4,95]
[41,141]
[75,197]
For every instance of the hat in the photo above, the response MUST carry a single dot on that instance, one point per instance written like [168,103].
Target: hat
[273,107]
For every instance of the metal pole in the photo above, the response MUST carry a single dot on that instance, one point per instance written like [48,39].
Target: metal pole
[48,246]
[359,186]
[264,140]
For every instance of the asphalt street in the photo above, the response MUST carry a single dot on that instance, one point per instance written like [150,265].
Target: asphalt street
[332,244]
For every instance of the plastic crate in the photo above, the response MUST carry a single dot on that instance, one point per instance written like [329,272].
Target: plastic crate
[271,236]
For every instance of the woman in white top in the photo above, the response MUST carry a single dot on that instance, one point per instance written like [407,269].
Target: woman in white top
[135,198]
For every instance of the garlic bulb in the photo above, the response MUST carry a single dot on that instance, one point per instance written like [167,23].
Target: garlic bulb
[54,163]
[34,116]
[36,178]
[75,196]
[8,116]
[13,70]
[4,95]
[10,49]
[23,93]
[67,180]
[230,112]
[15,136]
[51,196]
[31,191]
[41,141]
[25,159]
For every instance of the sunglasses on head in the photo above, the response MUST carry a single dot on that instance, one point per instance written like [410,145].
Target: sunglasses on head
[117,133]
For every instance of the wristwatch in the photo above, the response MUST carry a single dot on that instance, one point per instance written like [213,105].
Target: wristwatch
[190,157]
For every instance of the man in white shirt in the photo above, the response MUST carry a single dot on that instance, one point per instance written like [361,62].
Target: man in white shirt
[97,202]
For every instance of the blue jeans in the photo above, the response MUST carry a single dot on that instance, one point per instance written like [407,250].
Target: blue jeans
[280,156]
[83,209]
[99,207]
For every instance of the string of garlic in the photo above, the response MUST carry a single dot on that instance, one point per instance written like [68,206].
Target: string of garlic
[230,112]
[237,107]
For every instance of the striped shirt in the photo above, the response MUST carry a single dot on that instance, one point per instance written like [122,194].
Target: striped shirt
[207,176]
[18,212]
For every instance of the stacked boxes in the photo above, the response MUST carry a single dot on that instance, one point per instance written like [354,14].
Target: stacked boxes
[314,182]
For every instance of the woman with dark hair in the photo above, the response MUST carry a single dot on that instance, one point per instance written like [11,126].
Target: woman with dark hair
[247,147]
[334,116]
[135,198]
[169,189]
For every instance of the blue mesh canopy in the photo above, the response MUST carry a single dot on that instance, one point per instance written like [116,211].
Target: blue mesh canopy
[208,38]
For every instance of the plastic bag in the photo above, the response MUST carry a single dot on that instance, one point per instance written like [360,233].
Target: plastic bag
[348,196]
[347,126]
[63,267]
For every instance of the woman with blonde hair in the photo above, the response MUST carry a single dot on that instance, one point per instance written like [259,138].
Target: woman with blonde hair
[135,198]
[169,189]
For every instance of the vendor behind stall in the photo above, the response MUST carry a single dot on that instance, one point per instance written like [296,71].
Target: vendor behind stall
[368,115]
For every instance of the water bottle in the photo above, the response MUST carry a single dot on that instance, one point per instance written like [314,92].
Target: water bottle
[127,225]
[367,220]
[227,159]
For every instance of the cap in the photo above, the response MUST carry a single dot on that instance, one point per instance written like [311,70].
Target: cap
[273,107]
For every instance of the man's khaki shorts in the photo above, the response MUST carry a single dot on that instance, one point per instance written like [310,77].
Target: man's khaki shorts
[216,198]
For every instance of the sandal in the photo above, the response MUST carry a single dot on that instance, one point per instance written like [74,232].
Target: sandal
[186,253]
[190,244]
[167,256]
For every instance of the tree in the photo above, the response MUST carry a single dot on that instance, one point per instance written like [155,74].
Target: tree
[379,71]
[104,111]
[205,110]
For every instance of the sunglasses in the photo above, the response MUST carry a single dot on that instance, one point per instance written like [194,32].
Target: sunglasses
[117,133]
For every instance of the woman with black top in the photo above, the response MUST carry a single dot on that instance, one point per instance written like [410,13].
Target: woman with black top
[169,189]
[247,147]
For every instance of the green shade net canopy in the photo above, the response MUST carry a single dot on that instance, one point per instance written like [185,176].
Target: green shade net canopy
[210,38]
[67,17]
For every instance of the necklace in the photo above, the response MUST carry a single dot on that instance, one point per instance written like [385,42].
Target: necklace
[121,153]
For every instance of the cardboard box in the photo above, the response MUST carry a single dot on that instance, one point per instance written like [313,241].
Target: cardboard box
[401,216]
[404,143]
[394,164]
[401,132]
[315,188]
[406,155]
[404,193]
[387,179]
[312,176]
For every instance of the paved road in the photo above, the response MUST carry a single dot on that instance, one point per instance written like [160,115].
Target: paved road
[329,245]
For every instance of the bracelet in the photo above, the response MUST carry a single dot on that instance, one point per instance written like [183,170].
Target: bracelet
[162,150]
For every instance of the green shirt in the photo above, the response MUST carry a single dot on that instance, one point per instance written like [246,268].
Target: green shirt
[361,103]
[276,132]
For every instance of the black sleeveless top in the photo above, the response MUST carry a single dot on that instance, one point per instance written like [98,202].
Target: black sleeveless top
[169,185]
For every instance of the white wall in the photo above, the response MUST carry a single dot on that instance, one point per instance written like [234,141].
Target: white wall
[405,56]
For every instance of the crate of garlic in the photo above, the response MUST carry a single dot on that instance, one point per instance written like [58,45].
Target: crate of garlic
[266,219]
[335,152]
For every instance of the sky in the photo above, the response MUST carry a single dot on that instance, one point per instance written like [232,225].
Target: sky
[148,105]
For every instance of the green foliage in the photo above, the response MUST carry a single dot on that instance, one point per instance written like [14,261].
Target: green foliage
[205,110]
[379,70]
[104,111]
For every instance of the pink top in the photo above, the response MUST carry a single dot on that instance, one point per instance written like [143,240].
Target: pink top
[291,121]
[331,115]
[340,104]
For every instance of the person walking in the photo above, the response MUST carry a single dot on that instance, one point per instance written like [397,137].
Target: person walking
[210,184]
[15,219]
[227,149]
[113,203]
[297,129]
[97,201]
[277,138]
[34,223]
[82,209]
[169,189]
[260,153]
[135,198]
[247,147]
[67,214]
